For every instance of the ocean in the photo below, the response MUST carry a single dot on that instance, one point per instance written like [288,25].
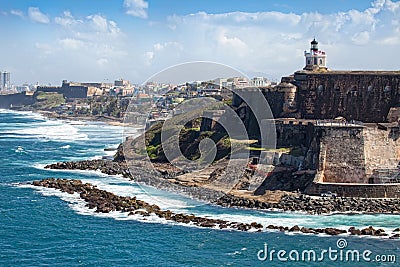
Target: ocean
[44,227]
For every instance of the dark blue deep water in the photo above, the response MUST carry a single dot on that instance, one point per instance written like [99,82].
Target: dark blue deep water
[41,227]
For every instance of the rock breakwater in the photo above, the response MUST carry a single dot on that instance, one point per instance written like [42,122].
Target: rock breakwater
[105,202]
[317,205]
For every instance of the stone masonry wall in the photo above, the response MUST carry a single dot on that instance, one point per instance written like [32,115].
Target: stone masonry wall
[381,148]
[341,157]
[352,154]
[363,96]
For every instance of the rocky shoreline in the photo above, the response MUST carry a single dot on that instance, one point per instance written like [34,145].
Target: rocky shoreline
[105,202]
[289,202]
[317,205]
[140,172]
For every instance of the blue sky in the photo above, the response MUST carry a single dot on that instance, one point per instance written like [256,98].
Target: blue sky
[98,40]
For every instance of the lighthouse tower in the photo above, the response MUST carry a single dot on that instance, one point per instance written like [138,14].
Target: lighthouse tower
[315,59]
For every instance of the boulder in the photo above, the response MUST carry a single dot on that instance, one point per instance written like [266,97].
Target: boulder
[295,228]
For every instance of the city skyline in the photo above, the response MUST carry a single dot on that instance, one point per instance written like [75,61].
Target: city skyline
[51,41]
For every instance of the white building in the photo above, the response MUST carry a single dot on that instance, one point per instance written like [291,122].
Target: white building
[241,82]
[315,58]
[259,82]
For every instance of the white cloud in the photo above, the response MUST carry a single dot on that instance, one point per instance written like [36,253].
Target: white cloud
[231,42]
[45,49]
[273,42]
[361,38]
[162,46]
[67,20]
[149,55]
[93,27]
[70,43]
[89,44]
[99,23]
[158,46]
[17,13]
[102,62]
[94,47]
[394,40]
[136,8]
[36,15]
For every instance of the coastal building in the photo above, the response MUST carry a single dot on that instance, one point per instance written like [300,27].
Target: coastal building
[94,91]
[123,87]
[121,82]
[142,98]
[259,82]
[5,80]
[241,82]
[101,88]
[210,90]
[224,83]
[315,58]
[22,88]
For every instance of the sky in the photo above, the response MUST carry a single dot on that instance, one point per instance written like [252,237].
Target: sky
[49,41]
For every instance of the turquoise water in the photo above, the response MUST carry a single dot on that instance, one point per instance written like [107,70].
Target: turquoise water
[45,227]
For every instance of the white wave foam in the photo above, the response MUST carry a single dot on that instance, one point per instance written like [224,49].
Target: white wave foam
[23,113]
[95,157]
[120,186]
[63,132]
[97,173]
[39,166]
[66,147]
[110,153]
[19,149]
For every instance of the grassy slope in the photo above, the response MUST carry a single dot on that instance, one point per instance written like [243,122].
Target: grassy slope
[45,101]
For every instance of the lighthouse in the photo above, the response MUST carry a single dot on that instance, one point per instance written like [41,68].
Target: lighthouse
[315,58]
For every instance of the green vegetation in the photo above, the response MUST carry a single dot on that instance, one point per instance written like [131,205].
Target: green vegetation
[189,136]
[196,129]
[255,148]
[152,151]
[109,106]
[228,102]
[48,100]
[294,151]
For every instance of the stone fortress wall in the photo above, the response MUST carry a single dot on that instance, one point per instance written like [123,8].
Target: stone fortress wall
[358,160]
[355,95]
[359,154]
[15,100]
[341,155]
